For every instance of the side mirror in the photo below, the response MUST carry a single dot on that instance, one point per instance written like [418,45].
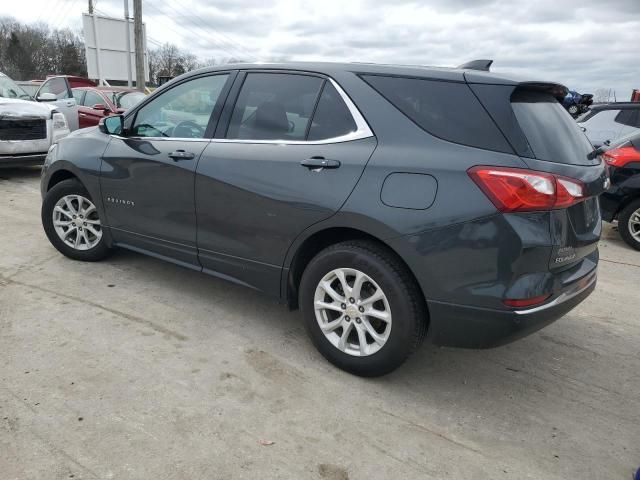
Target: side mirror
[113,125]
[101,106]
[47,97]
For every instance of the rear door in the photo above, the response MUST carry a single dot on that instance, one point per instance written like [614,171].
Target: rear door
[64,101]
[288,156]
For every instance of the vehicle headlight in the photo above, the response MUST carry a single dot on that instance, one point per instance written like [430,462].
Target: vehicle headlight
[59,121]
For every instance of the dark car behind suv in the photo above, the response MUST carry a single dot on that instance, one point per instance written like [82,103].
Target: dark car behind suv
[622,201]
[385,201]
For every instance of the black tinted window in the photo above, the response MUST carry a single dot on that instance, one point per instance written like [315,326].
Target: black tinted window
[627,117]
[274,106]
[332,117]
[551,132]
[448,110]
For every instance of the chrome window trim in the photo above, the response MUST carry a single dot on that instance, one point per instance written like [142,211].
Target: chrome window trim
[362,130]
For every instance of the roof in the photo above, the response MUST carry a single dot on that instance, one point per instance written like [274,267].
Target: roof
[421,71]
[108,89]
[615,106]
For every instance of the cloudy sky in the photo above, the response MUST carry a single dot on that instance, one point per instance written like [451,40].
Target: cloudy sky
[585,44]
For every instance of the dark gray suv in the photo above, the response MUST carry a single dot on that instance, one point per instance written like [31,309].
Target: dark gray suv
[386,202]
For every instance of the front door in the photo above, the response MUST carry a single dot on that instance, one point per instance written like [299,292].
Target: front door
[294,149]
[88,115]
[147,176]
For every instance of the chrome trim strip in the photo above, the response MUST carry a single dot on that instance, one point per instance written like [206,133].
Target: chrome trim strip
[362,130]
[561,299]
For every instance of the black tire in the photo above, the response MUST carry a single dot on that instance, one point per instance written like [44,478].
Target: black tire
[624,226]
[58,191]
[407,305]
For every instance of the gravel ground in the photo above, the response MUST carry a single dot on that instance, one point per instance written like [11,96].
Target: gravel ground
[137,369]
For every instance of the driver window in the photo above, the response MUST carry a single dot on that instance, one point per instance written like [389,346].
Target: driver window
[57,86]
[181,112]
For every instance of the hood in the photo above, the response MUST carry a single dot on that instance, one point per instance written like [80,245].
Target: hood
[14,107]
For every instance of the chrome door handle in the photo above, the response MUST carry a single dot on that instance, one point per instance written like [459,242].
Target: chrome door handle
[316,163]
[181,155]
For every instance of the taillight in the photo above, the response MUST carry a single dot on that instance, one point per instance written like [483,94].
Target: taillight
[525,302]
[619,157]
[519,190]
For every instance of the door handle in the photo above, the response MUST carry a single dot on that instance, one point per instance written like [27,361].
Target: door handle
[181,155]
[318,163]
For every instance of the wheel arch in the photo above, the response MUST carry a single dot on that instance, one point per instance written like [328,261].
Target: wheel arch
[60,175]
[322,239]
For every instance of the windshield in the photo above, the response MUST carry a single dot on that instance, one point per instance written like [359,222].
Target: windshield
[9,89]
[126,100]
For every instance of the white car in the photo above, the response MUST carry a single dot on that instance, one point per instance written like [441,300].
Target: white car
[609,121]
[27,128]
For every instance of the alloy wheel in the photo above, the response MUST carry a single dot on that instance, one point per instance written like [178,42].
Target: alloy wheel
[352,311]
[634,225]
[75,219]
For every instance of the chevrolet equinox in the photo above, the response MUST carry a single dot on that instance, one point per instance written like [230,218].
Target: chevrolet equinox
[387,202]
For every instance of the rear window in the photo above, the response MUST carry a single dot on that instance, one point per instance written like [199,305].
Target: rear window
[550,131]
[448,110]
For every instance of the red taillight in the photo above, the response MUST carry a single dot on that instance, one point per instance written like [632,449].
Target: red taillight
[519,190]
[525,302]
[619,157]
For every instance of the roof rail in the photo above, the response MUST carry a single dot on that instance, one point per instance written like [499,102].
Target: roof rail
[482,65]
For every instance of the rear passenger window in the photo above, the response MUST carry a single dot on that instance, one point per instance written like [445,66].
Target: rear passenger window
[332,118]
[274,106]
[448,110]
[627,117]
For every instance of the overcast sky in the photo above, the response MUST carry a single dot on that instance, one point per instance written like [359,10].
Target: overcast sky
[585,44]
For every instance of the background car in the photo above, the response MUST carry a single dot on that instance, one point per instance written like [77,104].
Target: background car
[27,129]
[622,201]
[95,103]
[577,103]
[56,90]
[610,121]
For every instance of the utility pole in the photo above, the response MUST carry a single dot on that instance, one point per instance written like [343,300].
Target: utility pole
[137,35]
[90,7]
[128,36]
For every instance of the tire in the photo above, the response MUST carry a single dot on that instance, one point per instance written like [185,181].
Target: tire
[403,306]
[573,110]
[91,245]
[629,224]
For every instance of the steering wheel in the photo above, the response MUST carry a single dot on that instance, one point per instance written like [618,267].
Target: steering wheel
[189,125]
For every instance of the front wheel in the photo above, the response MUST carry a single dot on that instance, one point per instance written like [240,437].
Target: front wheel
[629,224]
[362,308]
[71,222]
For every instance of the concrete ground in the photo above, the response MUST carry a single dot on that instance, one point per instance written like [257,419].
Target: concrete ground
[137,369]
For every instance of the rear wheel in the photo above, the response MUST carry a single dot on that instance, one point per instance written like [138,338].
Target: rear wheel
[629,224]
[573,110]
[71,222]
[362,309]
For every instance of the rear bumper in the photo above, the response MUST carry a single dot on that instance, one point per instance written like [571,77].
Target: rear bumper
[22,160]
[474,327]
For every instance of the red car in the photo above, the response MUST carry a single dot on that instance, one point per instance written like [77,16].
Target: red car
[97,102]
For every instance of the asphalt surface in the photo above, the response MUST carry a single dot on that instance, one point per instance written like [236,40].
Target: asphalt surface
[137,369]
